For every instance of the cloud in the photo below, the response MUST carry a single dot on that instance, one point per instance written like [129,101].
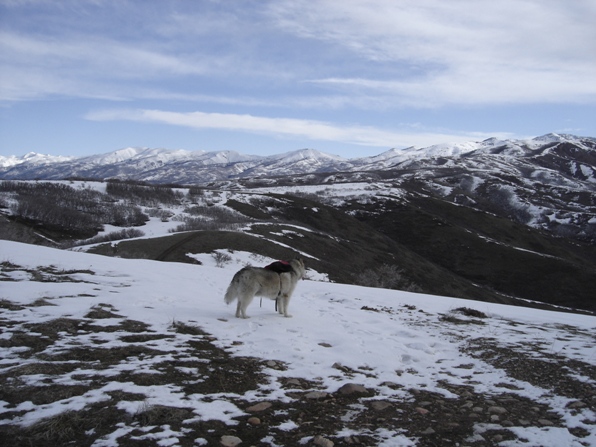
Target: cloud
[287,127]
[324,54]
[465,52]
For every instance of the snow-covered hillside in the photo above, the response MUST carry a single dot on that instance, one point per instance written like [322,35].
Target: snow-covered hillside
[354,366]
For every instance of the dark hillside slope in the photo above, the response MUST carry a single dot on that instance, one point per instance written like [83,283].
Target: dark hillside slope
[491,251]
[334,242]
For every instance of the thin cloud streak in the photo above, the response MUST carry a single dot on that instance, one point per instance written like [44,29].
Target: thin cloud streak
[506,52]
[286,127]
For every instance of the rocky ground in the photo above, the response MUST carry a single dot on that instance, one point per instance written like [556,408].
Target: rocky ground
[352,415]
[91,357]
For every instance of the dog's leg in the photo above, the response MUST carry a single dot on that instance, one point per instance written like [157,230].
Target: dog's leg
[239,310]
[243,303]
[283,308]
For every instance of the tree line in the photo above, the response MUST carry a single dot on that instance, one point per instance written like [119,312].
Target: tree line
[62,207]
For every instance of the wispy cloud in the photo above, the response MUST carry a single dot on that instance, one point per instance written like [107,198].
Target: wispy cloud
[86,66]
[422,53]
[287,127]
[456,52]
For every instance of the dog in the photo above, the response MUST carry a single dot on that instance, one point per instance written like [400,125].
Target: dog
[252,281]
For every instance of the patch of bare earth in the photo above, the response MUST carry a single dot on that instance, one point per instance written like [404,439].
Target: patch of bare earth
[45,366]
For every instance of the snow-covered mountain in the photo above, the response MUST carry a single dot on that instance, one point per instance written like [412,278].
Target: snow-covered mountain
[196,167]
[547,182]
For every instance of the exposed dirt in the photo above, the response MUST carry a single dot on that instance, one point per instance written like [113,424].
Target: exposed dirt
[351,416]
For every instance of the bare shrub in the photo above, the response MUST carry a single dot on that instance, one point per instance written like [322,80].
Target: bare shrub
[386,276]
[221,259]
[126,233]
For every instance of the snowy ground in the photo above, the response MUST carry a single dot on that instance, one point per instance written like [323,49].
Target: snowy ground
[399,346]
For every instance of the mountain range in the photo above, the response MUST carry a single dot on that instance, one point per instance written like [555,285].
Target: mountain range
[546,182]
[199,167]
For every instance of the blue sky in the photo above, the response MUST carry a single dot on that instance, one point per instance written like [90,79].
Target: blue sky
[351,77]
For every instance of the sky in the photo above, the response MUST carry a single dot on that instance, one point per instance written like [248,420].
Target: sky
[352,78]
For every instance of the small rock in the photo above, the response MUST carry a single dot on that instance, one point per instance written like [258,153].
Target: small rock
[428,431]
[325,345]
[477,410]
[421,410]
[352,388]
[229,441]
[545,422]
[315,395]
[294,382]
[380,405]
[494,418]
[507,423]
[524,422]
[254,421]
[576,404]
[341,367]
[497,410]
[261,406]
[271,363]
[323,442]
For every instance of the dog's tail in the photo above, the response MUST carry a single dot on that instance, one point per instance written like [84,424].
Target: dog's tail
[232,291]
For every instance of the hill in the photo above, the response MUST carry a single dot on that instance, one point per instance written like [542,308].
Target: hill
[118,352]
[508,221]
[358,233]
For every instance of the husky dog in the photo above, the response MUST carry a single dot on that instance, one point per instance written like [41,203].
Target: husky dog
[251,281]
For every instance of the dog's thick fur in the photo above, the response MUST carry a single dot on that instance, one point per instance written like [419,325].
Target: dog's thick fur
[251,281]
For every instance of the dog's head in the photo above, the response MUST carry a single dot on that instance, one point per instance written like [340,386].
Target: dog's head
[298,266]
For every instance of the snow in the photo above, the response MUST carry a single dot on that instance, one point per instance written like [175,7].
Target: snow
[32,158]
[396,334]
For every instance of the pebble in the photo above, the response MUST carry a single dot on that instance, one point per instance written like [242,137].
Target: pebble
[497,410]
[545,422]
[313,395]
[576,404]
[380,405]
[323,442]
[229,441]
[261,406]
[428,431]
[254,421]
[421,410]
[352,388]
[294,382]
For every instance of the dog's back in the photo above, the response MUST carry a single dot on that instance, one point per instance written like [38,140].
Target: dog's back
[252,281]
